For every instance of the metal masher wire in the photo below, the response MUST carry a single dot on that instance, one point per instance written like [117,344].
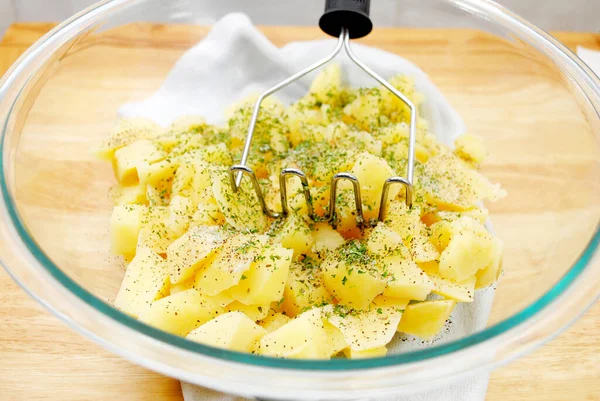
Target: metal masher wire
[237,171]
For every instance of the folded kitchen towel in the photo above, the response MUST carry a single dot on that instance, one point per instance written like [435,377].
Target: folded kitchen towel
[236,60]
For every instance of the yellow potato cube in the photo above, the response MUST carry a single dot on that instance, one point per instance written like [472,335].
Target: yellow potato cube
[254,312]
[326,239]
[182,286]
[405,279]
[223,298]
[426,319]
[233,331]
[156,232]
[146,280]
[128,195]
[382,240]
[187,254]
[368,353]
[470,148]
[389,302]
[365,329]
[274,321]
[352,276]
[264,281]
[467,252]
[231,262]
[181,313]
[125,132]
[239,209]
[407,223]
[335,339]
[125,225]
[372,172]
[490,274]
[302,337]
[294,233]
[154,173]
[327,83]
[463,291]
[304,288]
[129,158]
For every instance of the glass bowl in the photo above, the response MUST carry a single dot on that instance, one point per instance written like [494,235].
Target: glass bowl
[535,104]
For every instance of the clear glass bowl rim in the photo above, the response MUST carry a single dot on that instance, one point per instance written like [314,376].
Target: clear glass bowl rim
[510,325]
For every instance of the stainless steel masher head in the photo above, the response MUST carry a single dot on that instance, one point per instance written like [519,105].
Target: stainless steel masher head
[344,19]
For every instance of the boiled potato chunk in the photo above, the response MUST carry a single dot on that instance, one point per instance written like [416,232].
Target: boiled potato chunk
[233,331]
[187,254]
[352,275]
[156,172]
[304,288]
[470,148]
[231,262]
[463,291]
[390,302]
[407,223]
[326,239]
[490,274]
[181,313]
[368,353]
[254,312]
[382,240]
[294,233]
[426,319]
[125,225]
[157,233]
[364,329]
[128,195]
[125,132]
[405,279]
[239,208]
[146,280]
[129,158]
[327,83]
[303,337]
[264,281]
[274,321]
[336,342]
[372,172]
[470,249]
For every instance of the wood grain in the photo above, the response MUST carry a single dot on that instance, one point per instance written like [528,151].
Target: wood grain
[40,358]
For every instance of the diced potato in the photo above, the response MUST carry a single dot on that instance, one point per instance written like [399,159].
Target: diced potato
[405,279]
[450,184]
[241,209]
[372,172]
[490,274]
[208,213]
[223,298]
[463,291]
[181,313]
[327,83]
[264,281]
[441,232]
[254,312]
[407,223]
[368,353]
[274,321]
[383,301]
[156,232]
[365,329]
[303,337]
[182,286]
[231,262]
[326,239]
[125,132]
[130,157]
[470,249]
[382,240]
[146,280]
[304,288]
[187,254]
[125,225]
[336,341]
[470,148]
[426,319]
[153,173]
[353,276]
[233,331]
[128,195]
[479,214]
[294,233]
[180,210]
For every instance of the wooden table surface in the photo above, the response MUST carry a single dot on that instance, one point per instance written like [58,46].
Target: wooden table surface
[40,358]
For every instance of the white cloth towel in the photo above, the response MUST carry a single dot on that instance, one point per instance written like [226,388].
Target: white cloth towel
[236,60]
